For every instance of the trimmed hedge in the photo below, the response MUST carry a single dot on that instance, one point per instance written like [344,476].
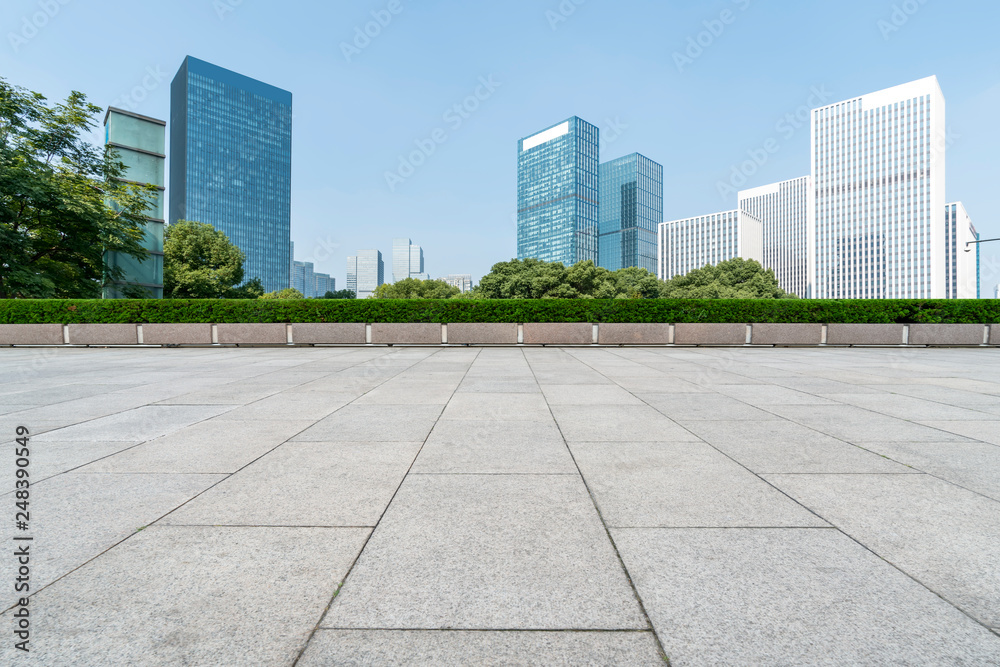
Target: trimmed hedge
[448,311]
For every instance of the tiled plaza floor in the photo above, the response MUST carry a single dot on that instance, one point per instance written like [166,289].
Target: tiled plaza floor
[429,506]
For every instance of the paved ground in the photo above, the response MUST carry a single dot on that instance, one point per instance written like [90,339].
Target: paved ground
[507,506]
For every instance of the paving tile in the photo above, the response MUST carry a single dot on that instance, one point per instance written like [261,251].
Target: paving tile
[915,409]
[617,423]
[985,431]
[432,648]
[76,516]
[857,426]
[286,406]
[791,597]
[763,395]
[488,552]
[214,446]
[495,447]
[491,386]
[193,596]
[683,484]
[784,446]
[973,465]
[698,407]
[498,407]
[54,458]
[374,423]
[236,393]
[557,394]
[940,534]
[138,425]
[306,484]
[412,393]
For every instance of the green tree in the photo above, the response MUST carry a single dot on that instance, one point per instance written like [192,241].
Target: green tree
[199,262]
[631,283]
[535,279]
[62,205]
[341,294]
[732,279]
[288,293]
[411,288]
[252,289]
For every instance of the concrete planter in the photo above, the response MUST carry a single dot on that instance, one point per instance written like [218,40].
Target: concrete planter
[103,334]
[946,334]
[865,334]
[406,334]
[482,334]
[177,334]
[634,334]
[31,334]
[710,334]
[995,334]
[787,334]
[558,334]
[329,334]
[253,334]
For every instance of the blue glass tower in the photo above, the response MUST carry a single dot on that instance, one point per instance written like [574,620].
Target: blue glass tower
[231,163]
[557,193]
[630,212]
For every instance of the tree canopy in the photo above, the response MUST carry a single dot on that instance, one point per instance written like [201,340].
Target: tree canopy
[343,294]
[199,262]
[411,288]
[62,201]
[535,279]
[732,279]
[288,293]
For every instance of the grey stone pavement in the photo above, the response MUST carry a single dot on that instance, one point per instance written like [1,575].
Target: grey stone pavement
[433,506]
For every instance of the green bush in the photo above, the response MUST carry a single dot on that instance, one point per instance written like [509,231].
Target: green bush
[25,311]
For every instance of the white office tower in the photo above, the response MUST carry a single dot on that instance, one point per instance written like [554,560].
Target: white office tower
[961,259]
[786,211]
[352,274]
[693,243]
[370,272]
[878,162]
[462,281]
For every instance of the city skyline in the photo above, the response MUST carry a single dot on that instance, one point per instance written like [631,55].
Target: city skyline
[659,95]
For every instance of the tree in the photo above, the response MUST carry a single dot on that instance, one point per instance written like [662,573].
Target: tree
[288,293]
[341,294]
[535,279]
[199,262]
[62,203]
[411,288]
[732,279]
[252,289]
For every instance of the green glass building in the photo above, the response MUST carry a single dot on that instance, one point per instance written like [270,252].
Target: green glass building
[140,142]
[630,213]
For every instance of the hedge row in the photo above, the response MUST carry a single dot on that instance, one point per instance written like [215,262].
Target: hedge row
[447,311]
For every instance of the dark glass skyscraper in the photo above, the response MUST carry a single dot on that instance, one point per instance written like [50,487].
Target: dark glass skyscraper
[557,193]
[630,212]
[231,163]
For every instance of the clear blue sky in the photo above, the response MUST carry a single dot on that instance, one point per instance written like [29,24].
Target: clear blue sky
[611,63]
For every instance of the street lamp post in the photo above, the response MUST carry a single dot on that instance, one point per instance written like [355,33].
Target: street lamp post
[968,245]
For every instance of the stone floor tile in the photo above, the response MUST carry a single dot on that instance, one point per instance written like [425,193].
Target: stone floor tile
[495,447]
[791,597]
[498,407]
[617,423]
[374,423]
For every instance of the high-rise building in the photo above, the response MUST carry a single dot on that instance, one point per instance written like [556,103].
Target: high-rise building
[878,164]
[694,243]
[961,259]
[631,209]
[370,272]
[558,193]
[352,274]
[996,292]
[231,163]
[140,142]
[786,212]
[304,278]
[323,284]
[462,281]
[407,261]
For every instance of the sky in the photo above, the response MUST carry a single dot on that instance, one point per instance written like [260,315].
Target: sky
[700,87]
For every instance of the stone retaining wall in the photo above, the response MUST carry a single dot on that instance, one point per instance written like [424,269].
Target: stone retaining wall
[684,335]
